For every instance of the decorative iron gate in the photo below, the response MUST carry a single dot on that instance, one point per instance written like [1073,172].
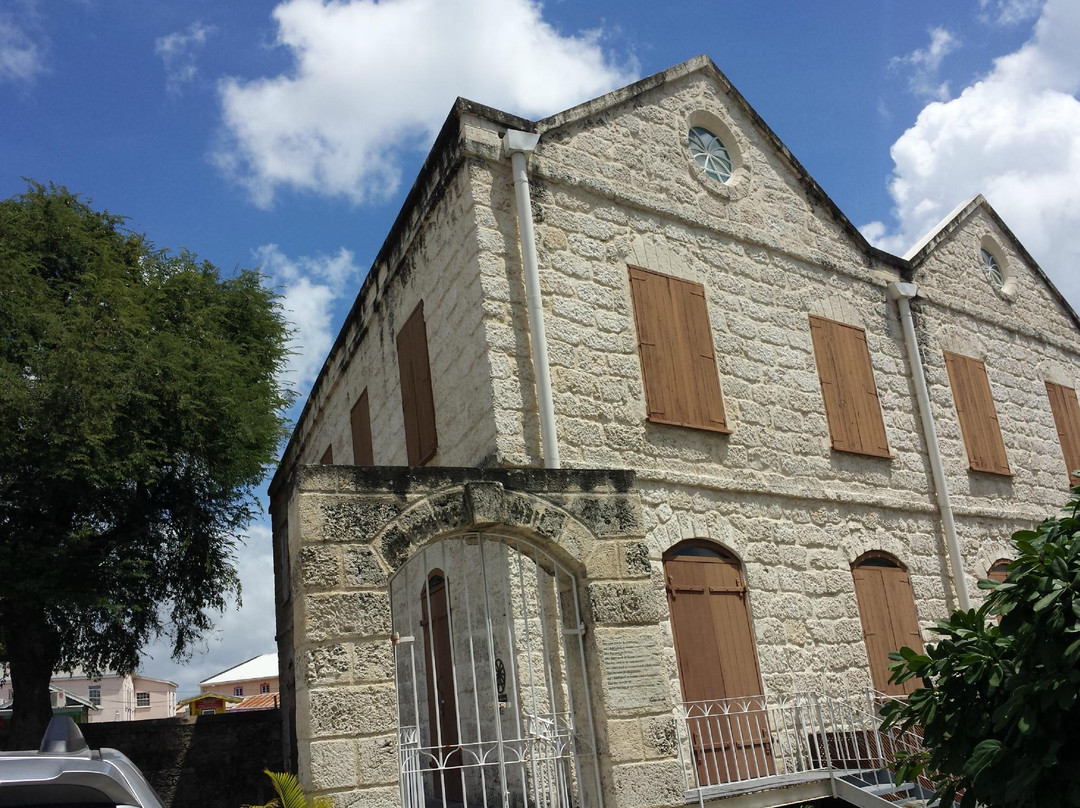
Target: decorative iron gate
[493,700]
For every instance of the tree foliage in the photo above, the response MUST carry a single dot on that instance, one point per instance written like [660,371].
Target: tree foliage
[1000,703]
[139,403]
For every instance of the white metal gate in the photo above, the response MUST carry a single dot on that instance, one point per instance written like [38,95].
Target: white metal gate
[505,721]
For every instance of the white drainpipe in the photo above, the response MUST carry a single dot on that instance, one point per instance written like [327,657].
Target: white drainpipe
[902,293]
[519,145]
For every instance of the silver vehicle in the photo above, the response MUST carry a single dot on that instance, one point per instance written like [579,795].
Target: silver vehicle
[64,773]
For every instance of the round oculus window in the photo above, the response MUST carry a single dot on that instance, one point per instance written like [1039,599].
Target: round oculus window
[710,153]
[992,269]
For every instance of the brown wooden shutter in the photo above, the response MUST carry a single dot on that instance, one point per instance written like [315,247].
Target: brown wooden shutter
[999,570]
[889,620]
[328,456]
[848,388]
[417,401]
[978,416]
[1067,419]
[678,363]
[360,425]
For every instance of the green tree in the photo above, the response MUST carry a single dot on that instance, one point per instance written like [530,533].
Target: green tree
[1000,703]
[139,404]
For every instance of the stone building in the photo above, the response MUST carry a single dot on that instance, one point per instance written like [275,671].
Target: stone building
[633,459]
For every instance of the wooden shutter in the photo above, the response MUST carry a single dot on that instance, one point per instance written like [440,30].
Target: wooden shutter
[978,416]
[676,347]
[848,388]
[417,402]
[1067,419]
[999,570]
[360,425]
[328,456]
[714,649]
[889,620]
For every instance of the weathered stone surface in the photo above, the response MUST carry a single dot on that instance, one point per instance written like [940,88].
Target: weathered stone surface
[357,520]
[378,759]
[623,603]
[660,737]
[353,614]
[333,764]
[485,503]
[609,515]
[320,566]
[362,568]
[328,664]
[637,559]
[645,785]
[373,660]
[354,711]
[377,797]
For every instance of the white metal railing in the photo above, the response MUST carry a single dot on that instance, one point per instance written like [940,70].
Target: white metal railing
[729,744]
[538,765]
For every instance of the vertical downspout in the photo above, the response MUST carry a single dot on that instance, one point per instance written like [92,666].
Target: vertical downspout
[519,145]
[902,293]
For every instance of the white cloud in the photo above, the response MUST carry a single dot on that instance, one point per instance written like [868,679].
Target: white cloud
[923,65]
[1010,12]
[373,80]
[178,50]
[312,288]
[21,43]
[1013,136]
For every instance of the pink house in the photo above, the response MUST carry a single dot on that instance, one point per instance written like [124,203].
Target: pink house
[116,697]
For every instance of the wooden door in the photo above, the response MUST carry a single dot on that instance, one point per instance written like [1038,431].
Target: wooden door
[714,646]
[442,698]
[889,619]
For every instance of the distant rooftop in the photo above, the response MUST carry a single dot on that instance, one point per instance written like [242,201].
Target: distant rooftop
[264,666]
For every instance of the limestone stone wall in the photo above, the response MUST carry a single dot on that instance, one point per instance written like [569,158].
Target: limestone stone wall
[353,528]
[614,187]
[435,260]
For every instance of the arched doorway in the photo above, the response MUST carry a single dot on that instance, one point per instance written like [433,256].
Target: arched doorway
[724,710]
[887,611]
[493,699]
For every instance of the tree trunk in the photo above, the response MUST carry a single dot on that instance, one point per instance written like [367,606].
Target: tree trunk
[31,651]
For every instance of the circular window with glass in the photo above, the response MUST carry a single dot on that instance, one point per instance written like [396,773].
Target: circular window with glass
[992,269]
[710,153]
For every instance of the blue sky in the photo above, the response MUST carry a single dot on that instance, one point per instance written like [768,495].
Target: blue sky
[285,135]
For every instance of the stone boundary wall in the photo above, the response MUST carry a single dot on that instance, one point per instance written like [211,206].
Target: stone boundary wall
[213,761]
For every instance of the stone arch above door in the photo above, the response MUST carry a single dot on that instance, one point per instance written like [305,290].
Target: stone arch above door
[478,505]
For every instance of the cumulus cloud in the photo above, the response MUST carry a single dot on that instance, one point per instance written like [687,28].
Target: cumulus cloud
[923,65]
[178,51]
[374,80]
[312,288]
[1013,136]
[21,43]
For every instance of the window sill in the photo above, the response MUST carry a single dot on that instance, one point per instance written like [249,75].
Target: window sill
[721,429]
